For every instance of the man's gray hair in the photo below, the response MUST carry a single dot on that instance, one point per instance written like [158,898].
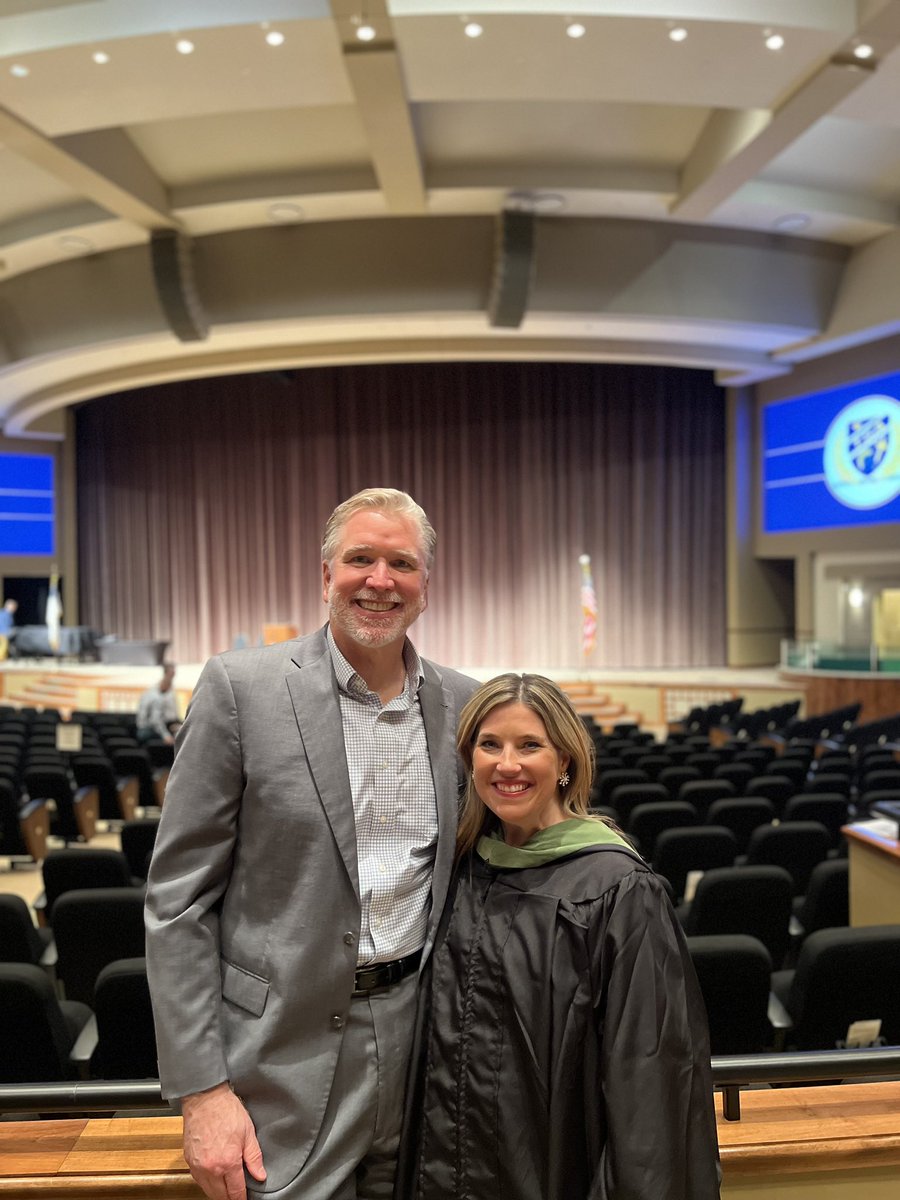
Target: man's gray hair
[387,500]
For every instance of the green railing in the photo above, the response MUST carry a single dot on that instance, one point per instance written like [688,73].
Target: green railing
[807,655]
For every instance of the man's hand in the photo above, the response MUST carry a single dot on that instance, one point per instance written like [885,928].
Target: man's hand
[219,1139]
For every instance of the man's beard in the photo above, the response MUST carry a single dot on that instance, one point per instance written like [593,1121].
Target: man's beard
[376,631]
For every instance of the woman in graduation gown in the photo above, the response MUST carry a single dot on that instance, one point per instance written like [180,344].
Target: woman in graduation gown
[562,1045]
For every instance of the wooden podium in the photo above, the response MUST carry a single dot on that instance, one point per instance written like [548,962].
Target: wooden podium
[278,633]
[874,877]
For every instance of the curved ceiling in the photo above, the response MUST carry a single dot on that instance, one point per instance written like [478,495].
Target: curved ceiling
[715,199]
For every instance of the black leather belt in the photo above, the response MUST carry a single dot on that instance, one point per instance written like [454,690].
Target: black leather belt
[383,974]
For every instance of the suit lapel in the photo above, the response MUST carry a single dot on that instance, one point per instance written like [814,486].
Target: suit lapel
[437,714]
[314,696]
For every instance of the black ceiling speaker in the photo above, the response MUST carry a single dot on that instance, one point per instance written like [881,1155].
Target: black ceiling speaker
[513,269]
[173,274]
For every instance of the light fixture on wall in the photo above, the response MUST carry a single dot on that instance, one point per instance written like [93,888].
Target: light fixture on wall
[856,597]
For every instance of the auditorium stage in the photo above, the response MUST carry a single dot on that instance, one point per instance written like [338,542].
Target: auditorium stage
[650,696]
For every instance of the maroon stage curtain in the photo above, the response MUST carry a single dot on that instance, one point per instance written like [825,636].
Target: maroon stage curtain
[201,506]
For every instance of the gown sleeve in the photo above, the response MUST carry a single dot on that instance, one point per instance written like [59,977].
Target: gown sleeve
[655,1078]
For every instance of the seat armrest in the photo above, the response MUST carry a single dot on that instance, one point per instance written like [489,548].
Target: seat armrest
[795,929]
[85,1043]
[50,957]
[779,1017]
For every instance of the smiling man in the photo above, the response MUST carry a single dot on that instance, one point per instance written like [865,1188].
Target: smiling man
[303,855]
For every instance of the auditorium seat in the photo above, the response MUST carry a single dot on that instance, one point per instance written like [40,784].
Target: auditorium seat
[734,973]
[737,774]
[773,787]
[680,851]
[673,777]
[74,870]
[76,810]
[829,809]
[626,797]
[601,792]
[126,1041]
[755,901]
[37,1031]
[830,782]
[20,941]
[138,839]
[842,976]
[137,763]
[702,792]
[653,764]
[93,928]
[647,821]
[797,846]
[741,815]
[826,904]
[23,826]
[118,796]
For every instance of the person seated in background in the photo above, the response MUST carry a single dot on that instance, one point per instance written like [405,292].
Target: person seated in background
[563,1052]
[8,628]
[157,715]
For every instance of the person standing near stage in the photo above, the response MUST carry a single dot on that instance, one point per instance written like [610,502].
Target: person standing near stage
[157,714]
[303,856]
[8,627]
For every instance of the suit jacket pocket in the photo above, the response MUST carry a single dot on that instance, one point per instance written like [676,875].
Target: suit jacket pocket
[244,989]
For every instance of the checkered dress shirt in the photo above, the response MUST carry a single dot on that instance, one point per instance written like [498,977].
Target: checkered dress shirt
[394,807]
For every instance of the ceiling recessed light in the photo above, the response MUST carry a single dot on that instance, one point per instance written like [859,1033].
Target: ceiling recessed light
[863,50]
[283,212]
[72,243]
[534,202]
[183,46]
[365,33]
[100,57]
[19,70]
[678,34]
[774,41]
[575,29]
[473,29]
[275,38]
[792,222]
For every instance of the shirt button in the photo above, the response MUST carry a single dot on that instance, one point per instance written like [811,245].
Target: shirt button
[349,939]
[337,1022]
[383,820]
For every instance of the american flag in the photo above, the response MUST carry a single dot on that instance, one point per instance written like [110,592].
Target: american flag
[588,607]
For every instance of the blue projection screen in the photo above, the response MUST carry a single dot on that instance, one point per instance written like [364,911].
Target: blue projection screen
[26,504]
[832,458]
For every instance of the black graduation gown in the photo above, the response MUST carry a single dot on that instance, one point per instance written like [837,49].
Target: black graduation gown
[562,1050]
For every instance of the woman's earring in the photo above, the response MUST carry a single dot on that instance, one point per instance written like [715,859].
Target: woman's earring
[564,779]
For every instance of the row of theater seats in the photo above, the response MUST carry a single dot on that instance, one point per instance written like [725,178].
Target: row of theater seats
[756,826]
[44,789]
[74,1000]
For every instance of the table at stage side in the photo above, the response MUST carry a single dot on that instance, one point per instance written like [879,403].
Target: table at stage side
[874,877]
[836,1143]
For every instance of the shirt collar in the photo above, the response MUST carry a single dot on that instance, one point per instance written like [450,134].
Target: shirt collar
[352,683]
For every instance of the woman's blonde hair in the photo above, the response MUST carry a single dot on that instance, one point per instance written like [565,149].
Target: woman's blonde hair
[565,729]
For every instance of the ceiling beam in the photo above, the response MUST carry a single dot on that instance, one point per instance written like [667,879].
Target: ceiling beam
[376,77]
[735,147]
[104,166]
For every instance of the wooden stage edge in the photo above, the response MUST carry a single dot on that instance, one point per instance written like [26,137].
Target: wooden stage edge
[786,1137]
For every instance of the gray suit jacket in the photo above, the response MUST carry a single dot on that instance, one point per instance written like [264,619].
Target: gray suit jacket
[253,911]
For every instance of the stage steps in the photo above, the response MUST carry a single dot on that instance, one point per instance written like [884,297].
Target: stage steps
[589,701]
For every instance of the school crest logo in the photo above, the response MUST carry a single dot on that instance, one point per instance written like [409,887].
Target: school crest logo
[861,457]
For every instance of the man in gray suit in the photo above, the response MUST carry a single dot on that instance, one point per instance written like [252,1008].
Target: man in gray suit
[303,858]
